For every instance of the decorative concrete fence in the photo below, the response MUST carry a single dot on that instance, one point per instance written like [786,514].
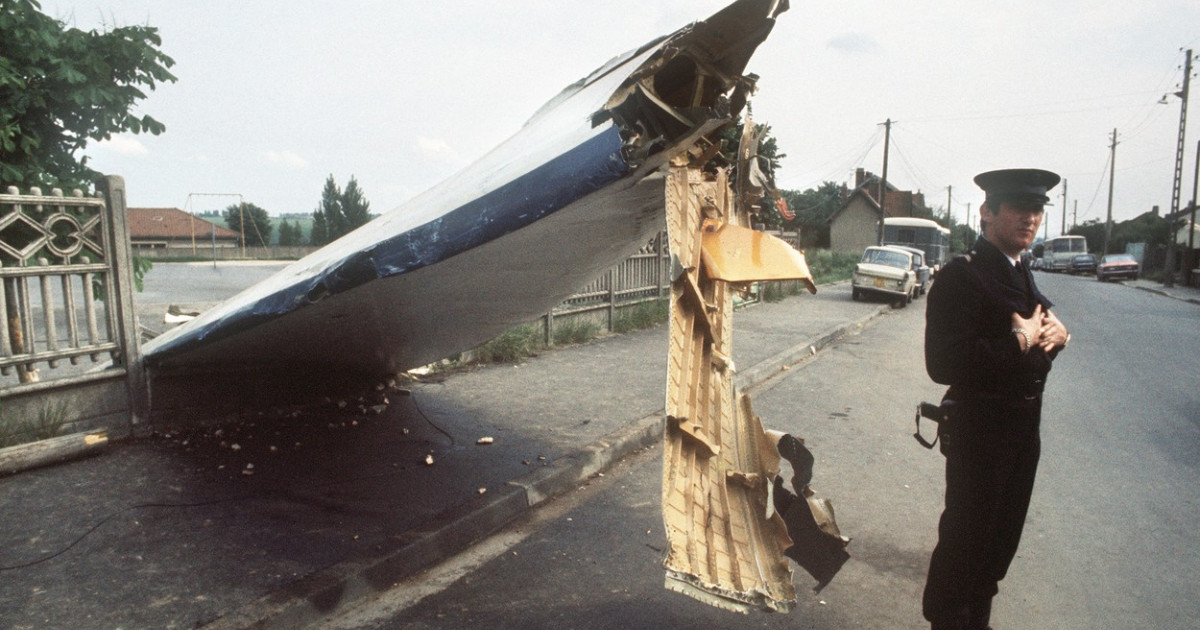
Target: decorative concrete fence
[68,340]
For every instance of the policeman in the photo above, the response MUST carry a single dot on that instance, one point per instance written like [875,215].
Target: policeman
[991,336]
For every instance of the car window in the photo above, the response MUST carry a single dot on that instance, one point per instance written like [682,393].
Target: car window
[1119,258]
[885,257]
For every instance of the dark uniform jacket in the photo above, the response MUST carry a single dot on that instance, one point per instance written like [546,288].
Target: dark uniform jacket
[969,339]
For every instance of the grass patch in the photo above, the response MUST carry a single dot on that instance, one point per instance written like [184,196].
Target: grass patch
[776,290]
[575,331]
[642,315]
[827,266]
[48,423]
[512,346]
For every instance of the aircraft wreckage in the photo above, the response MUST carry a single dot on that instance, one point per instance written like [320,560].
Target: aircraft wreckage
[580,187]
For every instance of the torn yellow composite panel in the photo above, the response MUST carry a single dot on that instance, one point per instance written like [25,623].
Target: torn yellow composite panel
[725,543]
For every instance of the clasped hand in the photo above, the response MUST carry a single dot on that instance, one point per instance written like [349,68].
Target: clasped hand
[1043,327]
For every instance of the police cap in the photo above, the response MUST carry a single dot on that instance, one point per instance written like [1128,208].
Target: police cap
[1018,184]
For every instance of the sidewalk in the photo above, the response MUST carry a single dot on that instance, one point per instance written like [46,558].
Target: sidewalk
[281,519]
[1179,292]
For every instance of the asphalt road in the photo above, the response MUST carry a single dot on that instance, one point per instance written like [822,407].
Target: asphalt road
[1110,541]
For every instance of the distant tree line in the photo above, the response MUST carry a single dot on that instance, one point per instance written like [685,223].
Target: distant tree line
[251,222]
[1149,228]
[339,213]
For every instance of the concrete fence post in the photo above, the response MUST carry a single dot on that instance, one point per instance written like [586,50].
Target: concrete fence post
[112,187]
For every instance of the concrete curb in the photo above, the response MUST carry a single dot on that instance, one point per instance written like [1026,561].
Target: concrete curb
[757,375]
[1166,293]
[339,587]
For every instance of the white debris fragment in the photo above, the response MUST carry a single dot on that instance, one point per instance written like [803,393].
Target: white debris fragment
[484,440]
[482,490]
[429,460]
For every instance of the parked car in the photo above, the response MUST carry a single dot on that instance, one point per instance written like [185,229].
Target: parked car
[1082,263]
[924,273]
[1118,266]
[1038,264]
[885,271]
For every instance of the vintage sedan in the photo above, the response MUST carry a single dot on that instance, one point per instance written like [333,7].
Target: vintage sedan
[1118,266]
[885,271]
[1082,263]
[924,273]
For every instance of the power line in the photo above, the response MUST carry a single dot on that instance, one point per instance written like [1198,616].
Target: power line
[913,172]
[857,155]
[1099,184]
[988,115]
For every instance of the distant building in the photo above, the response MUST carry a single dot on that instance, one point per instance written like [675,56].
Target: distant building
[855,225]
[172,228]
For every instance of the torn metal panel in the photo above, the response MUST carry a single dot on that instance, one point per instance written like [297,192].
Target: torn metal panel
[730,521]
[725,544]
[573,192]
[732,253]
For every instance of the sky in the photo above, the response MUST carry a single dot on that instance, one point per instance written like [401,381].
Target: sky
[274,97]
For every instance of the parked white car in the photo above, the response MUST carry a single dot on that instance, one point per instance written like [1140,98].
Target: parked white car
[885,271]
[924,273]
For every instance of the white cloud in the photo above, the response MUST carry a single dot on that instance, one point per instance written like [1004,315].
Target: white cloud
[123,145]
[853,43]
[438,150]
[286,158]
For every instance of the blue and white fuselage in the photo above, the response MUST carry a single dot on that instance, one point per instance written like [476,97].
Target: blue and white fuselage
[572,193]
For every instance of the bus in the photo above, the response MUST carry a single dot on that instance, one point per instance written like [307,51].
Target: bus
[1057,253]
[922,234]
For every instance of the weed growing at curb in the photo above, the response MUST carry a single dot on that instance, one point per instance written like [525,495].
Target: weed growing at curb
[643,315]
[575,331]
[775,291]
[49,422]
[511,346]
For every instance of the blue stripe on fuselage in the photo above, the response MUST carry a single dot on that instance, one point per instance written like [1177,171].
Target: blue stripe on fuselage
[576,173]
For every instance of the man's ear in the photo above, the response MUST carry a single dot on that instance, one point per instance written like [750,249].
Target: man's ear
[985,214]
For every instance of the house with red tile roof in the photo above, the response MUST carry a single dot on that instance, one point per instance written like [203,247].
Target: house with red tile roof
[172,228]
[855,225]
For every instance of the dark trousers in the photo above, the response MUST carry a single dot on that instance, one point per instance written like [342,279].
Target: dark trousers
[991,461]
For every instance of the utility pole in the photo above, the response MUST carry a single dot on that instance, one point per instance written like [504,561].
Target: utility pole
[1112,170]
[887,139]
[1169,276]
[1064,220]
[949,217]
[1189,256]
